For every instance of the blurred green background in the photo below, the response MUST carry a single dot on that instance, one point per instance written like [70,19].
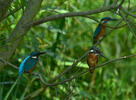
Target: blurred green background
[66,40]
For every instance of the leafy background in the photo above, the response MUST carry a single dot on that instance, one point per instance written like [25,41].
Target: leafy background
[66,40]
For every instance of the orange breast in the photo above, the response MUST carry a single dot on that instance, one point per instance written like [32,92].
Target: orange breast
[101,32]
[92,61]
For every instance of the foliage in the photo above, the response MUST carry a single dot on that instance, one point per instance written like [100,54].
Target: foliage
[65,40]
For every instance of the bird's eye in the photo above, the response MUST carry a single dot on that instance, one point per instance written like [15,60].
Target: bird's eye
[34,57]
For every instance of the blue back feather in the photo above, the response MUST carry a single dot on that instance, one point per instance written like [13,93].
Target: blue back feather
[98,29]
[30,64]
[21,67]
[27,64]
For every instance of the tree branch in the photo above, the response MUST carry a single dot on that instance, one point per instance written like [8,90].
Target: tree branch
[92,68]
[128,13]
[73,14]
[12,12]
[77,75]
[128,24]
[8,63]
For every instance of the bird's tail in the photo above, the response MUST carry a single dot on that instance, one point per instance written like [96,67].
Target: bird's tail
[19,74]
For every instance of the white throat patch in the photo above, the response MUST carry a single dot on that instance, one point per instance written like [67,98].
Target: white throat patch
[34,57]
[92,51]
[103,22]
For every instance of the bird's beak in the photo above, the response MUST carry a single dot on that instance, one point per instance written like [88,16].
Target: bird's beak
[101,54]
[40,53]
[113,19]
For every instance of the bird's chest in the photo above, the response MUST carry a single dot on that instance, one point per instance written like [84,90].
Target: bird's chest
[92,59]
[102,30]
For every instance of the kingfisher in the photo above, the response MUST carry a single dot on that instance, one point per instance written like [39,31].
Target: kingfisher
[92,58]
[101,28]
[29,62]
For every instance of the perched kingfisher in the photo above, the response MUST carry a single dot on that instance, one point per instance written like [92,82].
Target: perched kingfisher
[29,62]
[101,28]
[92,58]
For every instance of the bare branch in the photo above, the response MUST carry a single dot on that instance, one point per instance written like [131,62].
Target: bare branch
[35,93]
[10,64]
[128,13]
[121,3]
[77,75]
[12,12]
[73,14]
[128,24]
[73,65]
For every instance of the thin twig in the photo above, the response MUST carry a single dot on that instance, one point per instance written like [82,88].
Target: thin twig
[6,62]
[128,24]
[73,65]
[12,12]
[128,13]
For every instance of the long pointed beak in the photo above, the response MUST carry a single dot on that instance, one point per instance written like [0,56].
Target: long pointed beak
[40,53]
[113,19]
[101,54]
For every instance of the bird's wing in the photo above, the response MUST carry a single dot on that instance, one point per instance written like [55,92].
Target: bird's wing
[30,64]
[98,29]
[21,67]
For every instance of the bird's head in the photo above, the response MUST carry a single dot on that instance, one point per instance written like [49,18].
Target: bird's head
[106,19]
[96,51]
[37,53]
[93,50]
